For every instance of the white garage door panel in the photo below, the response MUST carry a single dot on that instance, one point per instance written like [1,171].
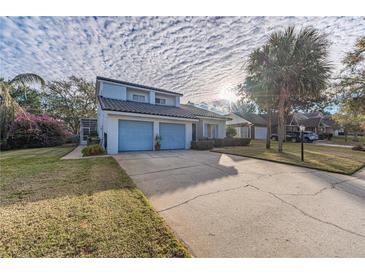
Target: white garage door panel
[260,133]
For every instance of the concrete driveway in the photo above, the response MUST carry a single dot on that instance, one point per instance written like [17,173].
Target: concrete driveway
[230,206]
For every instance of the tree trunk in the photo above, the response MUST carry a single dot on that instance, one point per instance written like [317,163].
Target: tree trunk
[355,138]
[281,117]
[345,132]
[268,134]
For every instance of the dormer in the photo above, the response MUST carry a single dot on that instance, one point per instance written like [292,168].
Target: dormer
[121,90]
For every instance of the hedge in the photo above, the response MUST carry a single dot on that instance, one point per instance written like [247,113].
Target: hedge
[202,144]
[91,150]
[228,141]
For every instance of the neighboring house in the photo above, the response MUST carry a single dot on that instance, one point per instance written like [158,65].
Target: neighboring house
[130,116]
[210,125]
[254,126]
[248,125]
[314,121]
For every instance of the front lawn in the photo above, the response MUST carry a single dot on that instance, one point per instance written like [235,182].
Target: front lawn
[76,208]
[334,159]
[340,140]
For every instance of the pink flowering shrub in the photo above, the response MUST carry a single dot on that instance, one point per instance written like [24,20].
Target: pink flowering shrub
[30,130]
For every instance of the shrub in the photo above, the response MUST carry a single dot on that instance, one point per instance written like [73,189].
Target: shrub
[359,148]
[30,130]
[90,150]
[93,140]
[202,144]
[229,142]
[324,136]
[231,131]
[218,142]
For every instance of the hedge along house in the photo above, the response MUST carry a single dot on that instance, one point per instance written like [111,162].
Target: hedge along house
[130,116]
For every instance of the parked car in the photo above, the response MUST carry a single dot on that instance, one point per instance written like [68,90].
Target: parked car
[310,136]
[294,137]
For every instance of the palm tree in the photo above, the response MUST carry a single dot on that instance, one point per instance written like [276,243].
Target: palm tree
[259,85]
[8,106]
[293,66]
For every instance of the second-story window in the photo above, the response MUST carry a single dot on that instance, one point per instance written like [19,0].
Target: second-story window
[160,101]
[139,98]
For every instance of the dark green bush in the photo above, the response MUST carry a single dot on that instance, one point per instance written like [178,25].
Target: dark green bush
[324,136]
[95,149]
[202,144]
[231,131]
[93,140]
[230,142]
[218,142]
[205,144]
[359,148]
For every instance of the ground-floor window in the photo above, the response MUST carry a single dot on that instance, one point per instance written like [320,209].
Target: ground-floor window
[211,131]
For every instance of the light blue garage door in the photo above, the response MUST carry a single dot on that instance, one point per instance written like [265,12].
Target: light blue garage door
[172,136]
[135,135]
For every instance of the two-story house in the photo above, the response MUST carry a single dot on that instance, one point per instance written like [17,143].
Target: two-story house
[130,116]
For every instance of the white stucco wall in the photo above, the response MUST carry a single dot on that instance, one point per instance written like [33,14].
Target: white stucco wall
[170,100]
[112,121]
[101,123]
[114,91]
[131,92]
[221,126]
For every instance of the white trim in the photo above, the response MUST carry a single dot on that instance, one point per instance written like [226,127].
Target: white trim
[213,118]
[120,113]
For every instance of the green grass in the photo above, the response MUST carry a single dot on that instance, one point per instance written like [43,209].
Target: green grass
[76,208]
[340,140]
[334,159]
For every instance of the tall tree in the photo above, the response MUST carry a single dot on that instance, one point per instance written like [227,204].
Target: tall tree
[28,98]
[296,66]
[70,100]
[9,107]
[350,119]
[244,106]
[259,84]
[352,84]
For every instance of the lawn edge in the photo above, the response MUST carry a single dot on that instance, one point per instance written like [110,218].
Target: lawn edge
[173,234]
[180,242]
[292,164]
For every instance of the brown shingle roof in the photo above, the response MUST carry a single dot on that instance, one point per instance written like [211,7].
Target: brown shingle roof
[311,122]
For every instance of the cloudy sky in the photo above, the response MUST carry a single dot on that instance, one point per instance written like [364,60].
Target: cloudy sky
[201,57]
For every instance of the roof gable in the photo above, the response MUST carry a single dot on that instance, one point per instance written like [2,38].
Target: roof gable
[100,78]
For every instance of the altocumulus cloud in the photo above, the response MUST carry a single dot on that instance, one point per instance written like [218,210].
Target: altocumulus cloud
[201,57]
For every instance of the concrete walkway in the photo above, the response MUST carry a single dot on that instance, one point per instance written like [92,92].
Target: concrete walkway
[229,206]
[360,174]
[75,154]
